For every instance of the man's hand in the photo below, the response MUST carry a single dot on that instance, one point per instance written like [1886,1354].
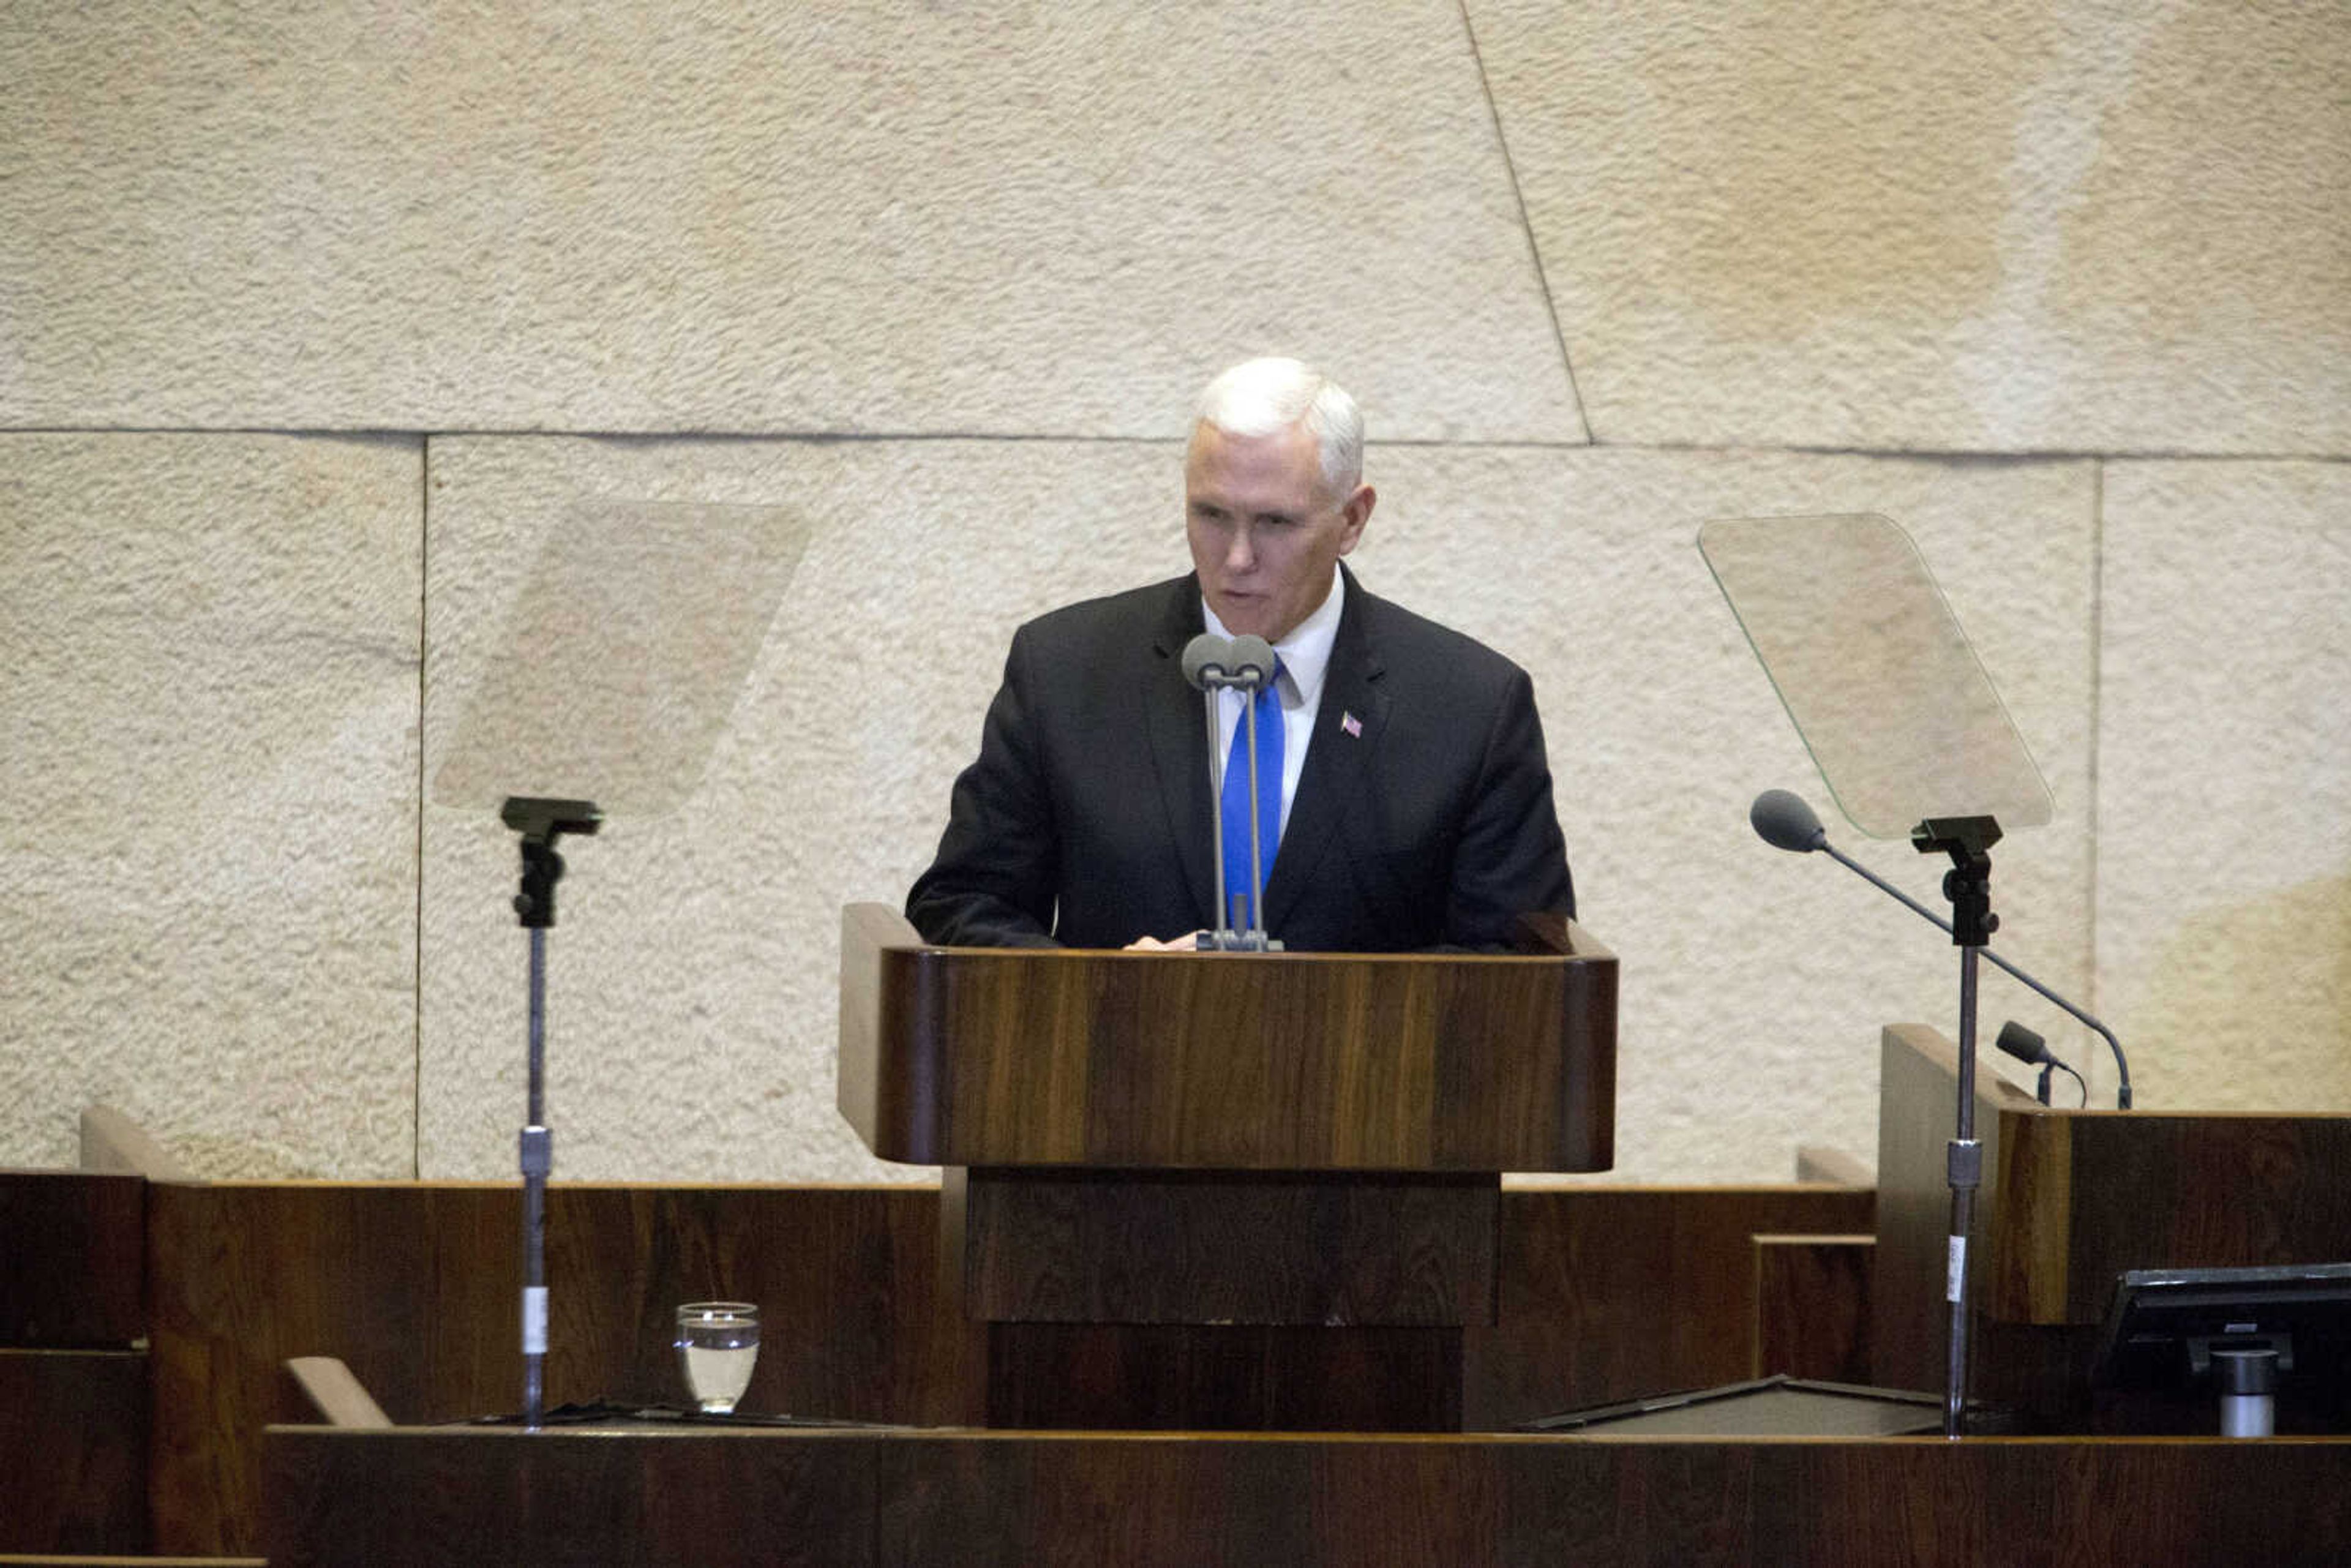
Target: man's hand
[1187,943]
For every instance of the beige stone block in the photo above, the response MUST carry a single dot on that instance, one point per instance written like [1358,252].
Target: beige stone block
[693,981]
[2224,782]
[207,858]
[2001,226]
[694,963]
[1754,982]
[887,217]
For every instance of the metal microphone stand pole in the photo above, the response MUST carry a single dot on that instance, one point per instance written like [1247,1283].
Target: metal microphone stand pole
[1221,938]
[1968,840]
[1254,939]
[541,822]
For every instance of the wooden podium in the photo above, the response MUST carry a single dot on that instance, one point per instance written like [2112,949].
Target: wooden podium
[1224,1191]
[2071,1198]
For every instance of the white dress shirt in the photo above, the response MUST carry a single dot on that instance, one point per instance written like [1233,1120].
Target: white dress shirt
[1305,656]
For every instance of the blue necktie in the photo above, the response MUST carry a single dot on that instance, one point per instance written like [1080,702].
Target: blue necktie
[1235,805]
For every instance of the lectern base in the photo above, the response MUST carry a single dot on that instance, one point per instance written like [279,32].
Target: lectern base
[1233,1378]
[1216,1301]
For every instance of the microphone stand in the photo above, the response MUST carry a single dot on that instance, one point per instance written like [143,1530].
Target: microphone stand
[1211,664]
[1968,840]
[541,822]
[1221,939]
[1254,938]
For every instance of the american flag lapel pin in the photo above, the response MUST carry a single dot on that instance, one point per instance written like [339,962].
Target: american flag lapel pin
[1351,724]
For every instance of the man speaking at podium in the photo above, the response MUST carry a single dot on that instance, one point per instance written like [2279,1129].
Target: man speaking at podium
[1414,802]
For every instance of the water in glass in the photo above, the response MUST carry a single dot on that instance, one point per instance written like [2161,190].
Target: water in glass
[718,1345]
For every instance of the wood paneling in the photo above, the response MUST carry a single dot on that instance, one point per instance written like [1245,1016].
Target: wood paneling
[2071,1199]
[1224,1248]
[2021,1502]
[843,1277]
[1812,1306]
[2141,1191]
[73,1388]
[1239,1378]
[51,1560]
[419,1496]
[1251,1302]
[73,1257]
[1249,1061]
[73,1451]
[416,1287]
[1025,1500]
[1610,1293]
[1603,1293]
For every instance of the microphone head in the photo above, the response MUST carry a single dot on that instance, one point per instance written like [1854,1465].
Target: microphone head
[2024,1044]
[1785,822]
[1208,661]
[1252,664]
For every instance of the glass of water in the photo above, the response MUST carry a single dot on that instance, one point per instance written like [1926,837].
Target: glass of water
[718,1345]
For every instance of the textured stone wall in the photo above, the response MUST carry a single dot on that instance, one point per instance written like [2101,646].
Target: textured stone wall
[317,327]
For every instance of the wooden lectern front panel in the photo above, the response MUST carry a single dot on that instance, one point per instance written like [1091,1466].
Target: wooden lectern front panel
[1227,1060]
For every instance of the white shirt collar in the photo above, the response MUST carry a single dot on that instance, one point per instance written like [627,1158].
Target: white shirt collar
[1306,654]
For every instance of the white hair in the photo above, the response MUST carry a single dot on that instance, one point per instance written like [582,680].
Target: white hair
[1260,397]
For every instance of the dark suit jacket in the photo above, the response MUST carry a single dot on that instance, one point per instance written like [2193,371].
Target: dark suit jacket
[1086,819]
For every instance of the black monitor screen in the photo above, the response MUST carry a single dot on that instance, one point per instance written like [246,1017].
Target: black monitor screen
[2163,1325]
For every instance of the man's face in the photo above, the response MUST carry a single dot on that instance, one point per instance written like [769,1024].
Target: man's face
[1264,528]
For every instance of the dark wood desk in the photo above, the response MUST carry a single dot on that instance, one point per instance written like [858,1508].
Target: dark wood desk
[850,1499]
[2070,1199]
[1603,1293]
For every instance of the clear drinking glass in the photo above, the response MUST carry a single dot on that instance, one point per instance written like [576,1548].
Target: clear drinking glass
[718,1345]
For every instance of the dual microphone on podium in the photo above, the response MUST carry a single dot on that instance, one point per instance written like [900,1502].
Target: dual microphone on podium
[1247,665]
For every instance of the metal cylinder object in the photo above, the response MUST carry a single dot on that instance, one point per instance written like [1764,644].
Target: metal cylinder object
[2248,1391]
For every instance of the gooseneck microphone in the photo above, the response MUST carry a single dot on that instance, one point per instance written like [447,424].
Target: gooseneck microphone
[2032,1049]
[1782,820]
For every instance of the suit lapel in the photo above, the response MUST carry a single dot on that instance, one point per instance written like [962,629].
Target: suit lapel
[1339,759]
[1179,745]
